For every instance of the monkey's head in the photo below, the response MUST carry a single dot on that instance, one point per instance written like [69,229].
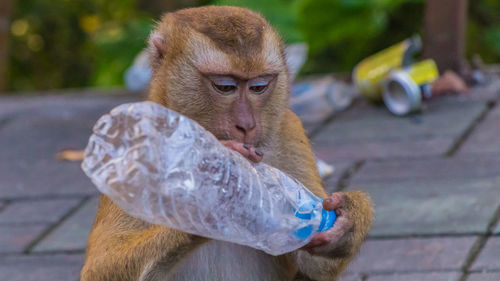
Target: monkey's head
[225,68]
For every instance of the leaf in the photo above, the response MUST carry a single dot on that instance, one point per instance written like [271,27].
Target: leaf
[70,155]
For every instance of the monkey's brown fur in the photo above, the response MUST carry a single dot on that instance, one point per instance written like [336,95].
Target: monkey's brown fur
[185,46]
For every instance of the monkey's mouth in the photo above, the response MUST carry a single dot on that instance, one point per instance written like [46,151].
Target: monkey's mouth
[225,136]
[229,138]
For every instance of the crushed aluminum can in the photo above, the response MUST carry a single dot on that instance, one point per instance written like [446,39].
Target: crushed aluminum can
[404,90]
[369,73]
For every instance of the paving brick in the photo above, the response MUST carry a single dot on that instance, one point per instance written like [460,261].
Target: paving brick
[431,276]
[453,207]
[311,127]
[340,168]
[15,106]
[412,254]
[487,91]
[14,239]
[37,211]
[29,168]
[351,277]
[72,234]
[382,149]
[368,132]
[428,169]
[440,119]
[431,196]
[489,257]
[484,276]
[43,177]
[41,268]
[485,137]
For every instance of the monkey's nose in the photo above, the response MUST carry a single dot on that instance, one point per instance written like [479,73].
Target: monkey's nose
[245,128]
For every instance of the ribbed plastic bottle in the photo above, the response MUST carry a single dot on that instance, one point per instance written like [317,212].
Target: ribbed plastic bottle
[164,168]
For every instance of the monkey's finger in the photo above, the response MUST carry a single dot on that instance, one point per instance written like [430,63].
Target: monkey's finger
[325,242]
[238,147]
[255,155]
[335,201]
[320,239]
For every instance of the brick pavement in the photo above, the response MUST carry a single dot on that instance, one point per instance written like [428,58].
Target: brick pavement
[433,178]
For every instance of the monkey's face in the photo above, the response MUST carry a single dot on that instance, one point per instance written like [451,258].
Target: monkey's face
[226,71]
[230,103]
[237,105]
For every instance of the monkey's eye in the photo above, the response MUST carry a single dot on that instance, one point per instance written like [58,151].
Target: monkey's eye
[225,89]
[260,84]
[258,89]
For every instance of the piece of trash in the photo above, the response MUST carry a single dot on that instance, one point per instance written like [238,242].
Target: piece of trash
[314,100]
[391,76]
[296,56]
[164,168]
[449,83]
[70,155]
[473,73]
[324,169]
[317,99]
[137,76]
[477,75]
[368,74]
[403,90]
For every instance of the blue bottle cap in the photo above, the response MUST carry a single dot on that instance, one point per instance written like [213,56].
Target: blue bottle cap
[327,220]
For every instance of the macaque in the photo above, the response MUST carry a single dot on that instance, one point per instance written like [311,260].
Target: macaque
[225,68]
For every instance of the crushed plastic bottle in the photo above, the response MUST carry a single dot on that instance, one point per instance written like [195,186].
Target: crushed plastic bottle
[137,76]
[316,100]
[164,168]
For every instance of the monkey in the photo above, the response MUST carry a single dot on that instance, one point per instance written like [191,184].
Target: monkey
[225,68]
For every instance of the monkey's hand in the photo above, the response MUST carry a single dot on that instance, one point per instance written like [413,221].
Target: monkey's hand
[246,150]
[354,216]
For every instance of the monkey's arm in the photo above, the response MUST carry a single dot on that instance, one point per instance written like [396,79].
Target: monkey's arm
[324,262]
[121,247]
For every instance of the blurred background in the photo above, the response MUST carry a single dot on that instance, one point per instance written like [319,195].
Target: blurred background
[59,44]
[433,174]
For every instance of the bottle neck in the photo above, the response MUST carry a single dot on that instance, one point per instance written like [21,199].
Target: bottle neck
[327,220]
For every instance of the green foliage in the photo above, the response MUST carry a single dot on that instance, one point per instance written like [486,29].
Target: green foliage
[282,14]
[483,30]
[87,43]
[341,32]
[331,22]
[118,44]
[73,43]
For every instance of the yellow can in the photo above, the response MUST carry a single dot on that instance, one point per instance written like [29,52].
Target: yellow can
[423,72]
[368,74]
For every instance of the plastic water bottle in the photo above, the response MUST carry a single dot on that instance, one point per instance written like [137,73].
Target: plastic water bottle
[164,168]
[315,100]
[137,76]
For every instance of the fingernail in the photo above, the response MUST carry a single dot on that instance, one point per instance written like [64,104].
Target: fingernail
[246,146]
[258,152]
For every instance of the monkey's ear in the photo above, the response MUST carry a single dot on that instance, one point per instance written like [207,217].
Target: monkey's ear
[157,47]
